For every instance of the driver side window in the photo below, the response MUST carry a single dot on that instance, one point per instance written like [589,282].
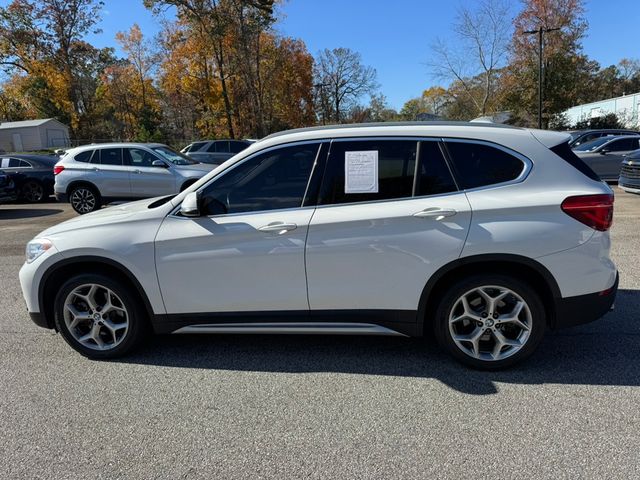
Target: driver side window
[269,181]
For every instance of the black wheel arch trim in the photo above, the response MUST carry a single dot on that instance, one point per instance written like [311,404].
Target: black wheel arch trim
[78,183]
[88,259]
[479,259]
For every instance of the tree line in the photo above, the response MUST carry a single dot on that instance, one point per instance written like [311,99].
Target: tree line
[220,69]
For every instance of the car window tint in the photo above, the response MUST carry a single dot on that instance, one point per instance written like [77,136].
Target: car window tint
[396,166]
[478,165]
[194,147]
[622,145]
[219,147]
[111,156]
[137,157]
[83,156]
[272,180]
[17,163]
[236,147]
[434,175]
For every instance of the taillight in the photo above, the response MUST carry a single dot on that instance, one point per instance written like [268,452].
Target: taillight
[595,211]
[57,169]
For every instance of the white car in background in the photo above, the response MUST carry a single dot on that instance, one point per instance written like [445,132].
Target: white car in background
[483,236]
[94,175]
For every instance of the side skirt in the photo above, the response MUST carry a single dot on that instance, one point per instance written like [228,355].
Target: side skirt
[309,328]
[357,322]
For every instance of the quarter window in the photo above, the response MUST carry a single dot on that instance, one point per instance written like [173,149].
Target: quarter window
[269,181]
[478,165]
[84,157]
[396,166]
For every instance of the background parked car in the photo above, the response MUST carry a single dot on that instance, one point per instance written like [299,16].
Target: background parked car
[93,175]
[629,179]
[215,151]
[604,155]
[32,175]
[8,192]
[579,137]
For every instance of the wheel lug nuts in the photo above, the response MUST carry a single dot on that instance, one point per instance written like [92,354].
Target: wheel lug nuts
[484,314]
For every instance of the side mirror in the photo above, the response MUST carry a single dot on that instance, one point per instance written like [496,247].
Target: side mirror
[189,206]
[159,163]
[604,151]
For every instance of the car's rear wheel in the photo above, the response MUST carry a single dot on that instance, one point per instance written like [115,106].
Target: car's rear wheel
[32,191]
[84,199]
[490,321]
[98,317]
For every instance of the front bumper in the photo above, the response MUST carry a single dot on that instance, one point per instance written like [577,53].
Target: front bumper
[572,311]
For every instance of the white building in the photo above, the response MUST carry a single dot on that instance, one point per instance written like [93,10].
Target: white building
[30,135]
[627,108]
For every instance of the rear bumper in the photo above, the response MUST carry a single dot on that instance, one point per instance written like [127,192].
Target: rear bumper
[62,197]
[572,311]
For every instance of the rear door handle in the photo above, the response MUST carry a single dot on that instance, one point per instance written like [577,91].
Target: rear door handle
[96,169]
[137,171]
[278,227]
[436,213]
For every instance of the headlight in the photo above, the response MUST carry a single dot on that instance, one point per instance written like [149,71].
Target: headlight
[37,247]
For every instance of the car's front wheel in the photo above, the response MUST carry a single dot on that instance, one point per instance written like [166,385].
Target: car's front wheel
[84,199]
[98,317]
[490,321]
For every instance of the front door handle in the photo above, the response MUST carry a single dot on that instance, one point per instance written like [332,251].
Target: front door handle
[278,227]
[137,171]
[436,213]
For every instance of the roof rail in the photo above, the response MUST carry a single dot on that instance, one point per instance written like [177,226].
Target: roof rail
[389,124]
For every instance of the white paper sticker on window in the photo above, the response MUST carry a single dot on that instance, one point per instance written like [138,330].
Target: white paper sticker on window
[361,172]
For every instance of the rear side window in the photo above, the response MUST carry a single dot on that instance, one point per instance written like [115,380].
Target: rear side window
[478,165]
[396,161]
[84,157]
[194,147]
[110,156]
[236,147]
[564,152]
[434,176]
[219,147]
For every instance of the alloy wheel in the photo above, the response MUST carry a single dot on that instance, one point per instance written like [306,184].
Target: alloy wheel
[83,200]
[96,317]
[32,192]
[490,323]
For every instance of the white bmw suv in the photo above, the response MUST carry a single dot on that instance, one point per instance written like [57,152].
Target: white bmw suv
[483,236]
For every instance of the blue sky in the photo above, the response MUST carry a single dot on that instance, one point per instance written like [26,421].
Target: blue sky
[394,36]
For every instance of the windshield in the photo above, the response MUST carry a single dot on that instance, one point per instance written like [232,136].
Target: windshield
[592,145]
[173,156]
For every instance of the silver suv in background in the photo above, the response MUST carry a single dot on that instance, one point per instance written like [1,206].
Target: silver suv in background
[215,152]
[93,175]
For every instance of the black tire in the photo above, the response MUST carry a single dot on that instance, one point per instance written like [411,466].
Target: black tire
[84,199]
[535,318]
[137,320]
[32,191]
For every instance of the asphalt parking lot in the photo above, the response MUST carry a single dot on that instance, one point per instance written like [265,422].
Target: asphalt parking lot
[317,407]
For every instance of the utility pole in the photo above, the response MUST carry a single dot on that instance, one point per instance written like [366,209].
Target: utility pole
[540,32]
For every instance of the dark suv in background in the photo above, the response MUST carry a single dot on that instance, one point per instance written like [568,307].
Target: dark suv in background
[214,151]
